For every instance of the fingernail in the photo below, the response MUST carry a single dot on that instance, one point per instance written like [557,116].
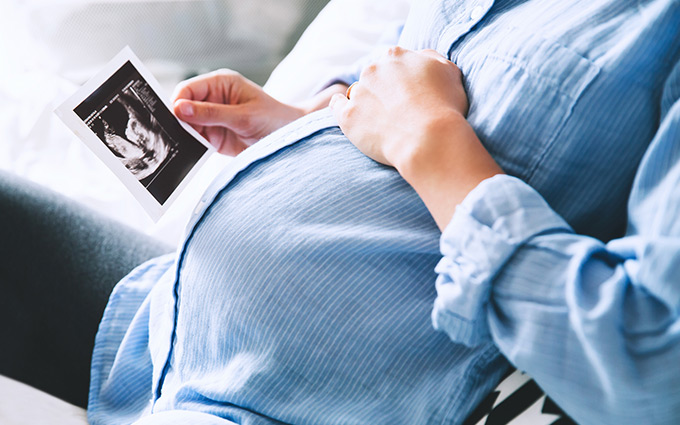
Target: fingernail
[187,109]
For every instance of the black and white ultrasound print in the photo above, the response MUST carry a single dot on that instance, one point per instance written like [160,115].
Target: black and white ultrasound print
[133,123]
[121,116]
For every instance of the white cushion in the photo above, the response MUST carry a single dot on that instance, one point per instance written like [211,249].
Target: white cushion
[24,405]
[344,33]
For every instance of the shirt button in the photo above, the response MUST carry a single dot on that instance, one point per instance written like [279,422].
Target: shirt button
[477,13]
[200,206]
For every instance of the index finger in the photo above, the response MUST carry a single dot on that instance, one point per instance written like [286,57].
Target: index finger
[195,88]
[435,54]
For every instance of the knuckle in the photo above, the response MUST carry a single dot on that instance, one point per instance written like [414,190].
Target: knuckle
[436,56]
[396,51]
[182,90]
[431,52]
[368,71]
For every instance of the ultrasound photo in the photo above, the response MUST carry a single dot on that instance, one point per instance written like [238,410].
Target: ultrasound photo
[130,119]
[125,123]
[123,109]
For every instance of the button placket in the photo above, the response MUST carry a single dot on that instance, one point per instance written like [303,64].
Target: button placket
[464,16]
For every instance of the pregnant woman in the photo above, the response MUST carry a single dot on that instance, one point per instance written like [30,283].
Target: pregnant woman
[304,289]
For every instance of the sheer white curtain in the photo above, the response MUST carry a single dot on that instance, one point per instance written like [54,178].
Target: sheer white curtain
[191,35]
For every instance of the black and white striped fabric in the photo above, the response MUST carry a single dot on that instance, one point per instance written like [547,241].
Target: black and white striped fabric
[518,400]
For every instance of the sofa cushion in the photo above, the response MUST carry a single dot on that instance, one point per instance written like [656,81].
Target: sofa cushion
[21,404]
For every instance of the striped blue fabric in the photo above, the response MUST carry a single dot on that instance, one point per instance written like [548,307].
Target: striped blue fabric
[596,325]
[303,291]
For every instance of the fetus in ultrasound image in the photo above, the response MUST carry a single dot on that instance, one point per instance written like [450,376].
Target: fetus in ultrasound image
[127,115]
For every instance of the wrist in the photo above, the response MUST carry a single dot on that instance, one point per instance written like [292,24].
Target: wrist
[445,163]
[320,100]
[433,147]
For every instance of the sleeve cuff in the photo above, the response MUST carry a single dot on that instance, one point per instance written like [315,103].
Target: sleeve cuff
[497,217]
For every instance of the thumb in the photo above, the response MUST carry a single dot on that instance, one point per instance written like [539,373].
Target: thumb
[208,113]
[338,104]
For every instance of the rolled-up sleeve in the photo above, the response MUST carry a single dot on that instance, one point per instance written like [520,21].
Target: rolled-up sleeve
[498,217]
[596,325]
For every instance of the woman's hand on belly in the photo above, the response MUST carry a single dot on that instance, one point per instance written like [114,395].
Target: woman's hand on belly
[408,111]
[232,112]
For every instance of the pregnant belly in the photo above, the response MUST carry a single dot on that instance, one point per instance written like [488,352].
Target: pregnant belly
[306,291]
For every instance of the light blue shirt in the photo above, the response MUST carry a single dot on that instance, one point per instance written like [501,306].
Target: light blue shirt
[596,325]
[303,291]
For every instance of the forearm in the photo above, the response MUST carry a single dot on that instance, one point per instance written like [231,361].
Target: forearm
[445,164]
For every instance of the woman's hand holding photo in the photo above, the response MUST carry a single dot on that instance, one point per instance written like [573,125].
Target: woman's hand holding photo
[232,112]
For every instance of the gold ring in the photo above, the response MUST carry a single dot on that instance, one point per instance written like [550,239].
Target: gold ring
[349,89]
